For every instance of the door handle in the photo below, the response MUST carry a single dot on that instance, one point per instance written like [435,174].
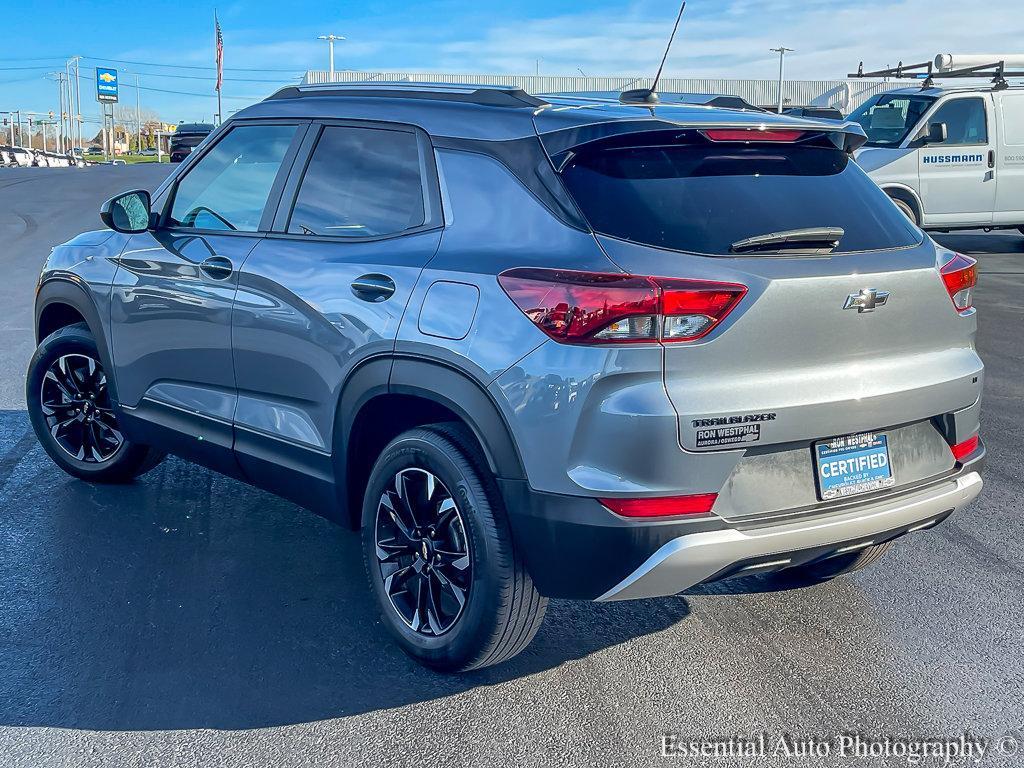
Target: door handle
[217,267]
[373,287]
[991,158]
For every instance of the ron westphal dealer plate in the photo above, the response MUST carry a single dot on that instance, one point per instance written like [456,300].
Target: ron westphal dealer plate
[853,464]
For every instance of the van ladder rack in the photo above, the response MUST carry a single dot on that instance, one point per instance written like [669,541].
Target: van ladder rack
[996,70]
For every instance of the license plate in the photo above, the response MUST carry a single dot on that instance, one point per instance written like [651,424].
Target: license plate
[853,464]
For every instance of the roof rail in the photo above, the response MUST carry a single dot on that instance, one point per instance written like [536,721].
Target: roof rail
[995,70]
[470,93]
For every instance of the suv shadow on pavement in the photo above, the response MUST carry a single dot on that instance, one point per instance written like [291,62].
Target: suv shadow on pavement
[188,600]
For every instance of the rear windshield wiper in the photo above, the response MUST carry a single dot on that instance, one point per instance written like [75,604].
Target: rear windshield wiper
[811,241]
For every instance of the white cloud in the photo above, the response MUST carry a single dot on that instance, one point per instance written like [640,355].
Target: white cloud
[733,40]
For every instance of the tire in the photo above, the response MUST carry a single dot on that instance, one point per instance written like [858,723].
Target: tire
[825,570]
[907,210]
[104,455]
[501,610]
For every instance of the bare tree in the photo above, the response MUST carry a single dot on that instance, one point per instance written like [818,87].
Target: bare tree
[126,122]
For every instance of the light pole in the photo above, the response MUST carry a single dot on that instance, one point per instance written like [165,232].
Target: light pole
[59,77]
[330,44]
[138,118]
[78,97]
[74,99]
[782,51]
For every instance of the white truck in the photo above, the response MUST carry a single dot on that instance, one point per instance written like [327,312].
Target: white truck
[949,157]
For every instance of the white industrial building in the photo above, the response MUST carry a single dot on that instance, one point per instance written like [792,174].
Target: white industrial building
[844,94]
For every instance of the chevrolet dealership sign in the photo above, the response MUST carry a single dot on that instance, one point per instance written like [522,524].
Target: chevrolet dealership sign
[106,84]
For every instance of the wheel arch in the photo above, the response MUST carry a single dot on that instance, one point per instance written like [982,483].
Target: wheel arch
[60,303]
[907,195]
[386,397]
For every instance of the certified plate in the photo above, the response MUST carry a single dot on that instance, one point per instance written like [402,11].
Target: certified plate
[853,464]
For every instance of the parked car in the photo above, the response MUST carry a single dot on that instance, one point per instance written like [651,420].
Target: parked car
[23,157]
[149,152]
[187,137]
[530,348]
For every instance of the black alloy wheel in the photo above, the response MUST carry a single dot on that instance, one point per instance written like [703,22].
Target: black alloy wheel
[72,404]
[443,567]
[75,403]
[423,552]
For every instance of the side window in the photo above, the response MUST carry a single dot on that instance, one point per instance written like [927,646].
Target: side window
[965,121]
[360,182]
[228,188]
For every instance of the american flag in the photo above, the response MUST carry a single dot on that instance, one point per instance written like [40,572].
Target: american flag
[220,52]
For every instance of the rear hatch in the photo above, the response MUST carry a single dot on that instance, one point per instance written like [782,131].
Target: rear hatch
[847,329]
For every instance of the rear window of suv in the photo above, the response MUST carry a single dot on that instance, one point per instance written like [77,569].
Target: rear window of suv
[683,192]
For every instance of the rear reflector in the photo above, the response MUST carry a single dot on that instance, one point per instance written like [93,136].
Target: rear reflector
[598,308]
[965,449]
[662,506]
[960,274]
[753,134]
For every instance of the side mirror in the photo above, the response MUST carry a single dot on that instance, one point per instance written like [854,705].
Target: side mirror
[936,133]
[128,212]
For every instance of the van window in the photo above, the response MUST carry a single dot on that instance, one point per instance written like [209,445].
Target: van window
[690,194]
[965,121]
[361,182]
[888,117]
[228,188]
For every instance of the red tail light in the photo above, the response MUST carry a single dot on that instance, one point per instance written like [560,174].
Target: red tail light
[753,134]
[662,506]
[598,308]
[966,448]
[960,274]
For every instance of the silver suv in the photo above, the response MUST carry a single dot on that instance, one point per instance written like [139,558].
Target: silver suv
[531,347]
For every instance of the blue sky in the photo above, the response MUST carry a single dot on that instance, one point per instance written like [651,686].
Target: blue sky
[717,37]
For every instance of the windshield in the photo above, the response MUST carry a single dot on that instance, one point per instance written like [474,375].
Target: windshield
[888,117]
[685,193]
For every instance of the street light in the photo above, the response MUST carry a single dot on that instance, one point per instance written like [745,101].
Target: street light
[330,43]
[782,51]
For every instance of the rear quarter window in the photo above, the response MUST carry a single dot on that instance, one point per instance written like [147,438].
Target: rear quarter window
[685,193]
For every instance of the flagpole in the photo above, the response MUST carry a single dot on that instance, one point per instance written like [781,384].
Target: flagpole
[219,46]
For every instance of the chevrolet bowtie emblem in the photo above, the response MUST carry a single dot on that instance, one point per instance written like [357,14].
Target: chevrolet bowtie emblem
[866,300]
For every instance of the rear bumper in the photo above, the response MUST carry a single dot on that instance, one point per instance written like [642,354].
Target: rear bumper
[690,560]
[575,548]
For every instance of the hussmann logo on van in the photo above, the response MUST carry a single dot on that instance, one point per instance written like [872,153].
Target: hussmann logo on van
[953,158]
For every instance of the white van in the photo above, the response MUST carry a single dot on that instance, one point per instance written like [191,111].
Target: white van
[950,158]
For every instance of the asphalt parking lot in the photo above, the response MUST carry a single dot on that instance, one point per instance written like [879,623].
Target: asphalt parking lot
[190,620]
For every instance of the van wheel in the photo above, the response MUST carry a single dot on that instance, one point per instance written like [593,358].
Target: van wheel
[907,209]
[439,555]
[825,570]
[72,414]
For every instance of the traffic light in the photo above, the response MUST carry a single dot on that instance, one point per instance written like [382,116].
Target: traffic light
[51,114]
